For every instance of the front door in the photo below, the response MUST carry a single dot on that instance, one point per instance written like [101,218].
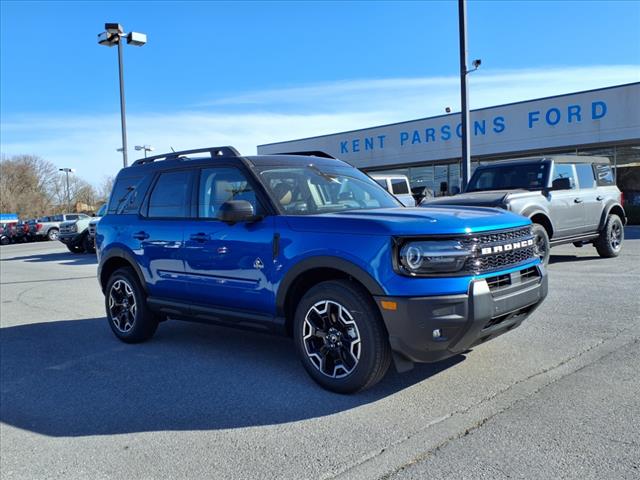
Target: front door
[566,207]
[229,265]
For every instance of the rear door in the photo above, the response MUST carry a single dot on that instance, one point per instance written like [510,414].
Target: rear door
[229,265]
[159,233]
[592,199]
[566,207]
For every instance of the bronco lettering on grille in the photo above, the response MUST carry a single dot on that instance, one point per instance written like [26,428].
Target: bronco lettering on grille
[507,247]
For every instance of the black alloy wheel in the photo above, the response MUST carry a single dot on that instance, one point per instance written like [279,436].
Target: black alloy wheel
[541,242]
[127,312]
[340,337]
[609,243]
[331,339]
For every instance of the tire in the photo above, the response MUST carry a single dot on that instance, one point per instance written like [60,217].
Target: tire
[126,305]
[75,248]
[609,243]
[541,239]
[337,310]
[5,241]
[87,244]
[52,234]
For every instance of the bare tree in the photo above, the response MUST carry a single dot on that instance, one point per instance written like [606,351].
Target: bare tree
[31,187]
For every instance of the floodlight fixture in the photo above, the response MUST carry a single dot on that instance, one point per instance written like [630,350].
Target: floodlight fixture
[136,39]
[114,28]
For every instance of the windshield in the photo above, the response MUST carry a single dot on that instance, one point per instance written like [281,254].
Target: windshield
[528,176]
[311,189]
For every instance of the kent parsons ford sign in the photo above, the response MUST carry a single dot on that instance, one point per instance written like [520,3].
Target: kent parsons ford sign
[604,115]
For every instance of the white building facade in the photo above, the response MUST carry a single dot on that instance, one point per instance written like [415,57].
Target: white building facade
[602,122]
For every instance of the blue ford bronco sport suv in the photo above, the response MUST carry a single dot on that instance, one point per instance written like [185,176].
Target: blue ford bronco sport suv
[312,248]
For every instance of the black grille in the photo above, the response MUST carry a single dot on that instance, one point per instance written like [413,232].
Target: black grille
[497,237]
[499,281]
[484,263]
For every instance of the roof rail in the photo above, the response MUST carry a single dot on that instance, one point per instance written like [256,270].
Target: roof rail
[310,153]
[213,151]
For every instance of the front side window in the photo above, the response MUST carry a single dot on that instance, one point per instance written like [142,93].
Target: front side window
[585,175]
[219,185]
[72,217]
[528,176]
[170,196]
[564,170]
[311,189]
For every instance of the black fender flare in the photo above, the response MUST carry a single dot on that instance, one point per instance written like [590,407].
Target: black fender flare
[122,254]
[336,263]
[531,212]
[607,210]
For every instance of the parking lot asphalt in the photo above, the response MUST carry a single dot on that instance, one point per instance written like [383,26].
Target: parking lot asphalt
[557,397]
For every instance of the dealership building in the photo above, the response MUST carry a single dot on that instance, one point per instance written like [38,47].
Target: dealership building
[603,122]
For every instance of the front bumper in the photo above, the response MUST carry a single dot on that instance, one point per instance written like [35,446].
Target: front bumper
[429,329]
[70,238]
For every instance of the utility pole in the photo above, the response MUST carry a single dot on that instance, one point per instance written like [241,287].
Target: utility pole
[67,171]
[465,162]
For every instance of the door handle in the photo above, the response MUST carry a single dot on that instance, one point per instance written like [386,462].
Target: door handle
[199,237]
[577,200]
[141,235]
[599,198]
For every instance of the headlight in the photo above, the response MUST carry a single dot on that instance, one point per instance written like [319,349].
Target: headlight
[73,228]
[432,256]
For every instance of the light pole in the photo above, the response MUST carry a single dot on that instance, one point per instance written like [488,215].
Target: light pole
[67,171]
[464,93]
[146,148]
[113,35]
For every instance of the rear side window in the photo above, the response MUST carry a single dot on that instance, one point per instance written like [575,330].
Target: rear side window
[585,175]
[604,174]
[399,186]
[127,194]
[170,196]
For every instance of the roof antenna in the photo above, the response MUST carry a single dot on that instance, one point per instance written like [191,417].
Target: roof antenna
[172,149]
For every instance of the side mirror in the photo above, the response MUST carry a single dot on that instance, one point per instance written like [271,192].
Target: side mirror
[455,190]
[561,184]
[235,211]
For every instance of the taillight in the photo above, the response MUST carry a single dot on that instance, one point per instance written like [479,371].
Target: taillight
[622,199]
[38,227]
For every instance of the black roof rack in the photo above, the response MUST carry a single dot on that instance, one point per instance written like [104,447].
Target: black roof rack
[213,151]
[310,153]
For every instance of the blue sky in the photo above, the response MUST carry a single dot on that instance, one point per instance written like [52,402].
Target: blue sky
[257,72]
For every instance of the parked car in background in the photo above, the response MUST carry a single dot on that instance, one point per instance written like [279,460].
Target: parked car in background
[75,234]
[569,199]
[93,224]
[7,232]
[50,226]
[315,249]
[21,232]
[398,185]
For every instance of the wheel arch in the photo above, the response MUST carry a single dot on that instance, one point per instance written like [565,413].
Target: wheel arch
[540,217]
[312,271]
[113,260]
[613,208]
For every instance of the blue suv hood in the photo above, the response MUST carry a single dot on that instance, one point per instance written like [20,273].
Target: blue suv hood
[409,221]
